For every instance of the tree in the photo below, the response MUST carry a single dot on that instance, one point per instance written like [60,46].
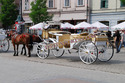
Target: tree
[39,12]
[123,1]
[8,13]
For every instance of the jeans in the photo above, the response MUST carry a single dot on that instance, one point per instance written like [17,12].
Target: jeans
[121,45]
[117,47]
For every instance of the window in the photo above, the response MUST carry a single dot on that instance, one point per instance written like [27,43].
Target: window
[66,3]
[35,1]
[104,3]
[50,3]
[105,22]
[80,2]
[122,5]
[120,21]
[26,5]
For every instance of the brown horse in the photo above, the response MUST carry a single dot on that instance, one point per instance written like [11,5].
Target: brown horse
[25,39]
[35,39]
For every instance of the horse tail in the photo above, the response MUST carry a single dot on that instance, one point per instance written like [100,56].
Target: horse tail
[31,42]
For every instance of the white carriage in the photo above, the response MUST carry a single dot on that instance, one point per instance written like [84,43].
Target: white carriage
[89,47]
[4,42]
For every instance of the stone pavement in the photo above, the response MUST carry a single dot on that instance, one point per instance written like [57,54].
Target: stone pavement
[64,80]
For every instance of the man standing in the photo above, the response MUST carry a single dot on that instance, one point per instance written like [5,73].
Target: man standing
[122,40]
[117,37]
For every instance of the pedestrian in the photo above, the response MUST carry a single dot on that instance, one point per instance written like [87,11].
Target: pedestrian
[109,35]
[122,40]
[117,37]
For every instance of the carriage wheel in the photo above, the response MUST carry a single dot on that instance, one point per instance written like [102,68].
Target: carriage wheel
[88,52]
[5,45]
[42,52]
[106,52]
[58,52]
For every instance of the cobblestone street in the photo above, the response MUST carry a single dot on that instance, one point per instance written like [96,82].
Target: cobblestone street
[114,67]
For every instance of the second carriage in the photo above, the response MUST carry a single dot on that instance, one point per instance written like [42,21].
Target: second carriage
[4,42]
[88,46]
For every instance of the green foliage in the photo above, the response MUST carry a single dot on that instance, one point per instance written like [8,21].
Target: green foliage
[8,13]
[39,12]
[123,1]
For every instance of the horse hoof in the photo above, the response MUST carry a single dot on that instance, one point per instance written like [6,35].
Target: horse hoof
[28,55]
[25,54]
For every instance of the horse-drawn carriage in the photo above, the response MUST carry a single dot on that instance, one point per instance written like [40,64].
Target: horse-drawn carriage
[4,42]
[88,46]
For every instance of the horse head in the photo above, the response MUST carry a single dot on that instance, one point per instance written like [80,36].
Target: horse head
[12,32]
[37,38]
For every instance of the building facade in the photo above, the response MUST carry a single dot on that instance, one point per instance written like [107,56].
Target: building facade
[109,12]
[73,11]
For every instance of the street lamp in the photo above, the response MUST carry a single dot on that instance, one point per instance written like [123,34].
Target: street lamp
[19,23]
[21,10]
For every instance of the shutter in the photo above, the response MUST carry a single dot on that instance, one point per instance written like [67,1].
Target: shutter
[101,3]
[106,3]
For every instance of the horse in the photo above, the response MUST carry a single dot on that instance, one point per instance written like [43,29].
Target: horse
[35,38]
[25,39]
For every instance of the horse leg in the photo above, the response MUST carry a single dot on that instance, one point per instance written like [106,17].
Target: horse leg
[17,49]
[29,54]
[24,50]
[14,50]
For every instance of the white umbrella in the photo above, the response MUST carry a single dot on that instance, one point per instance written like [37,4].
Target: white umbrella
[46,26]
[62,26]
[100,26]
[83,25]
[120,26]
[66,25]
[39,26]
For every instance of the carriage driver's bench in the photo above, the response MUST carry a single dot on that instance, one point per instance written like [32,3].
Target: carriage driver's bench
[4,42]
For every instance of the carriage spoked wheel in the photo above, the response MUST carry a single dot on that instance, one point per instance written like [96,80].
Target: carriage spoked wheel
[42,52]
[58,52]
[105,52]
[88,52]
[5,45]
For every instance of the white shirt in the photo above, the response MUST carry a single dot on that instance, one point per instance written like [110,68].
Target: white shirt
[123,37]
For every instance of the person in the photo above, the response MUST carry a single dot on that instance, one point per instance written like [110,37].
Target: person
[122,40]
[117,40]
[109,35]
